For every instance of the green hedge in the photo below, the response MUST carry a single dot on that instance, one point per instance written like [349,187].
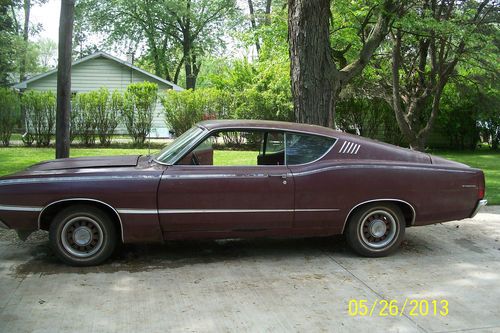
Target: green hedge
[10,114]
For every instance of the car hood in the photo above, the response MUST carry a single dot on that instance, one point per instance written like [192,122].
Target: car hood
[86,162]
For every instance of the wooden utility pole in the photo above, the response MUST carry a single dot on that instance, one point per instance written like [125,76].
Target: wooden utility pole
[63,118]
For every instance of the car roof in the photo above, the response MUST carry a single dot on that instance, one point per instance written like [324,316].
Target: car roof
[268,124]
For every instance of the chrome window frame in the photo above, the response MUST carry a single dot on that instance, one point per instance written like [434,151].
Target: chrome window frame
[208,133]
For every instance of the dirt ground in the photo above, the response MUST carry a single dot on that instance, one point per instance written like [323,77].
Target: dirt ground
[300,285]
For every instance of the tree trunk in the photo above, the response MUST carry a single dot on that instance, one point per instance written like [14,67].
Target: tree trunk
[267,20]
[22,66]
[312,68]
[254,25]
[316,80]
[64,78]
[188,67]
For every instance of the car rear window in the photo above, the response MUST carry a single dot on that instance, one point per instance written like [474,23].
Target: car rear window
[305,148]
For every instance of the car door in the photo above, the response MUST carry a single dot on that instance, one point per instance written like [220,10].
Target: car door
[223,198]
[316,196]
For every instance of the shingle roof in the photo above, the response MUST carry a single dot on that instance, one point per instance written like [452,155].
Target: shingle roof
[100,54]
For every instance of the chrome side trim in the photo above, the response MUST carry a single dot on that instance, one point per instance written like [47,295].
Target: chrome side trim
[208,211]
[42,180]
[377,200]
[82,199]
[20,208]
[3,225]
[480,204]
[137,211]
[217,176]
[317,210]
[371,166]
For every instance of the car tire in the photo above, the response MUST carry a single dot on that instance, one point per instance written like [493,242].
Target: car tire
[376,230]
[82,235]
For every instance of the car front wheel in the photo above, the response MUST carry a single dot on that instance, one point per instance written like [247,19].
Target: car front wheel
[376,230]
[82,235]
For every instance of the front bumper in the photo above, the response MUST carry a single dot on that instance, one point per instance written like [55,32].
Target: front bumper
[3,225]
[480,204]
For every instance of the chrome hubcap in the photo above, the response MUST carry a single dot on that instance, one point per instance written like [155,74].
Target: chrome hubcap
[82,236]
[378,229]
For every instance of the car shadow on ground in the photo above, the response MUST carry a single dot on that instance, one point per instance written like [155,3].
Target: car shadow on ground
[146,257]
[134,258]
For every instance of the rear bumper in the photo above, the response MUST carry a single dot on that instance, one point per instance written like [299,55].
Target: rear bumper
[3,225]
[480,204]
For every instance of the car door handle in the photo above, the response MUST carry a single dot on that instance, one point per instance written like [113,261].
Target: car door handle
[281,175]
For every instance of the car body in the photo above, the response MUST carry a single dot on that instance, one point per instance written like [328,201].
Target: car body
[333,178]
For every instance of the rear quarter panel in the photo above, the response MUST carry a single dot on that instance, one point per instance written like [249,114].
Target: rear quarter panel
[436,193]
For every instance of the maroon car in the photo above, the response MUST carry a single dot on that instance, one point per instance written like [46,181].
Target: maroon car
[239,179]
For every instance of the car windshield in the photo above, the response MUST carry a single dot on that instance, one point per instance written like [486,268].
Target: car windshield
[170,153]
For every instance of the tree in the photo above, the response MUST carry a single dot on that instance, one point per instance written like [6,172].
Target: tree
[7,33]
[315,76]
[254,15]
[27,12]
[175,34]
[64,78]
[427,45]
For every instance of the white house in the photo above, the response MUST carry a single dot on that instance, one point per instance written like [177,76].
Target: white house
[104,70]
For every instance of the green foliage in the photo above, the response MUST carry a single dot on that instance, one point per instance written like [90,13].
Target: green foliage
[457,120]
[185,108]
[7,35]
[489,117]
[95,114]
[84,108]
[9,114]
[40,112]
[368,117]
[260,90]
[138,108]
[175,34]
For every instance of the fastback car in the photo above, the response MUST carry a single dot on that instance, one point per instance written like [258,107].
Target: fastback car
[240,179]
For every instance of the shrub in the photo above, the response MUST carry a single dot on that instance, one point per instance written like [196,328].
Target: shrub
[138,107]
[85,118]
[107,110]
[95,114]
[40,110]
[114,109]
[9,114]
[185,108]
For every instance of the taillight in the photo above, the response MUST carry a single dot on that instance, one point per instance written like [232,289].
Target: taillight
[481,187]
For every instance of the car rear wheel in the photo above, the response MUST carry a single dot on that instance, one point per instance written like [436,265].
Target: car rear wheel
[376,230]
[82,236]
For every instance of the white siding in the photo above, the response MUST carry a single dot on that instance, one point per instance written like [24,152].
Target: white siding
[103,72]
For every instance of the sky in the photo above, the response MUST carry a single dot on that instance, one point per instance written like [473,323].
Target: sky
[48,16]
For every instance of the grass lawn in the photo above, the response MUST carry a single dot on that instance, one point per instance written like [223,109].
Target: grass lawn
[15,159]
[485,160]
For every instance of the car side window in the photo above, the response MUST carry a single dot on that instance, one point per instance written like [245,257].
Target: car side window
[238,148]
[305,148]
